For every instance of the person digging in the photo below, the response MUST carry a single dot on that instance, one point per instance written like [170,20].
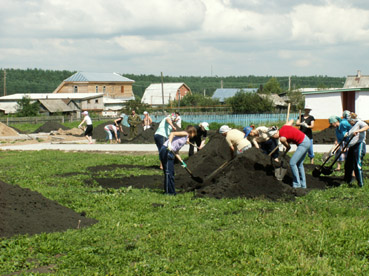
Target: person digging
[261,138]
[169,152]
[287,135]
[236,140]
[199,139]
[133,120]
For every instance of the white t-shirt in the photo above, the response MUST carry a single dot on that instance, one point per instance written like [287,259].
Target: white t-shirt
[88,120]
[179,121]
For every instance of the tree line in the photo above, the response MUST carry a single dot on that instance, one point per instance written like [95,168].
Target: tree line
[46,81]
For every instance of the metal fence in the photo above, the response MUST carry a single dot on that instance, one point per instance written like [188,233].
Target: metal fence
[237,119]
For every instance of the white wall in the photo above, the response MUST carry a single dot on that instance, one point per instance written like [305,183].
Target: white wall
[361,104]
[324,105]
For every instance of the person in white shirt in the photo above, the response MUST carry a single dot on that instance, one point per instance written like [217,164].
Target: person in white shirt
[178,120]
[89,128]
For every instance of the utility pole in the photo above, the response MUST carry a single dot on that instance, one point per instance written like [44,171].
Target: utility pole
[162,89]
[289,83]
[179,98]
[221,84]
[4,82]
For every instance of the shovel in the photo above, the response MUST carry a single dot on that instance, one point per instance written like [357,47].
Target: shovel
[327,170]
[195,178]
[281,171]
[210,176]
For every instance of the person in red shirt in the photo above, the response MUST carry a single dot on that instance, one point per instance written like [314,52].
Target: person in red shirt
[287,135]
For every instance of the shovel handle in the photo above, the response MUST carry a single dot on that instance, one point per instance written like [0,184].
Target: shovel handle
[270,154]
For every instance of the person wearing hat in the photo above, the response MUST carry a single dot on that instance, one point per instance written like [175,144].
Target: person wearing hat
[236,139]
[162,133]
[261,138]
[147,121]
[357,150]
[342,127]
[118,124]
[89,128]
[133,120]
[199,139]
[288,134]
[178,120]
[306,123]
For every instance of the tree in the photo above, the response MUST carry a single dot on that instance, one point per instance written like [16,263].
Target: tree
[272,87]
[135,105]
[27,109]
[297,100]
[249,103]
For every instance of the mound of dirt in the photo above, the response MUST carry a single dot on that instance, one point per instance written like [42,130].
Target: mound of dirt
[250,175]
[328,136]
[143,137]
[74,131]
[23,211]
[50,126]
[7,131]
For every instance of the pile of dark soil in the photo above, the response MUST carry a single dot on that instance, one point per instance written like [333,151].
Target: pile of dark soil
[249,175]
[23,211]
[328,136]
[143,137]
[50,126]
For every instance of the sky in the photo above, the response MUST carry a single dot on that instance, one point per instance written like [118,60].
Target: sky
[187,37]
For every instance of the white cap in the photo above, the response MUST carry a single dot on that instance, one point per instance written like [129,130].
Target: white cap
[205,125]
[85,113]
[224,129]
[145,112]
[308,107]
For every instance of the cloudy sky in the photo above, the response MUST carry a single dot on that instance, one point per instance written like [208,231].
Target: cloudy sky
[187,37]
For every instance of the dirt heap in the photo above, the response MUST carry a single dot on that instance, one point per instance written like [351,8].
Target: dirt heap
[74,131]
[23,211]
[7,131]
[143,137]
[250,175]
[328,136]
[50,126]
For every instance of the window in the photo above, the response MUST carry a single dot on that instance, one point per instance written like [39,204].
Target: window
[104,89]
[75,89]
[122,89]
[96,101]
[97,89]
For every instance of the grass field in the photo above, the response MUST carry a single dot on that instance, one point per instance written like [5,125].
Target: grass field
[143,232]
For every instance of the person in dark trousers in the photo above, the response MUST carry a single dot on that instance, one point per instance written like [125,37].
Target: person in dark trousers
[261,138]
[306,123]
[199,138]
[357,150]
[169,152]
[118,124]
[89,127]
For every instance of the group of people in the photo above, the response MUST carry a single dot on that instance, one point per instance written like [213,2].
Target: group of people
[169,139]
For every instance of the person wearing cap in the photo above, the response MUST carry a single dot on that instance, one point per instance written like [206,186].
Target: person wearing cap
[342,127]
[147,121]
[306,123]
[236,139]
[168,153]
[199,139]
[357,150]
[162,133]
[110,131]
[89,128]
[288,134]
[118,124]
[133,120]
[261,138]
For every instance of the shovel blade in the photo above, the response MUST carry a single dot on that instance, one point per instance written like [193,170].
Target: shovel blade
[280,173]
[316,172]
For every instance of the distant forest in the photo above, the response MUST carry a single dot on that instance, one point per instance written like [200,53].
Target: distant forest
[46,81]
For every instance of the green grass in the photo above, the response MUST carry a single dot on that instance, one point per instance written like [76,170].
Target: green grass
[143,232]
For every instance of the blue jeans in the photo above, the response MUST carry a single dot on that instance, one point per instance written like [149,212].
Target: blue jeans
[167,159]
[297,164]
[311,150]
[354,162]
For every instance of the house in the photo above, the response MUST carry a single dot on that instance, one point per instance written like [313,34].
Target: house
[154,94]
[74,103]
[111,85]
[354,96]
[224,93]
[277,101]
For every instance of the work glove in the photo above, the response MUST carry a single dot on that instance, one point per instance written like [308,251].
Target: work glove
[184,165]
[346,134]
[304,124]
[169,146]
